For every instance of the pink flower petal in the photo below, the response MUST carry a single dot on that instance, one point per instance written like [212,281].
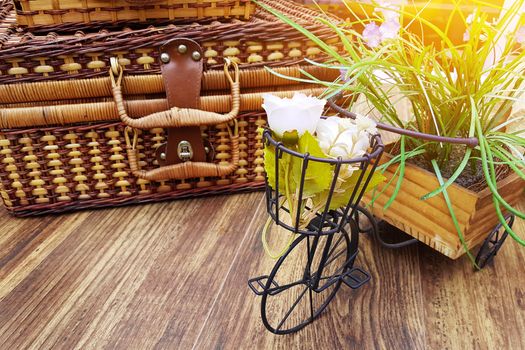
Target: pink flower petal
[520,35]
[389,29]
[372,35]
[344,74]
[466,35]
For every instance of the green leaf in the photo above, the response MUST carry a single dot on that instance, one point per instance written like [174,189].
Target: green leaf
[290,138]
[269,167]
[341,199]
[344,190]
[452,213]
[401,174]
[489,172]
[463,163]
[318,175]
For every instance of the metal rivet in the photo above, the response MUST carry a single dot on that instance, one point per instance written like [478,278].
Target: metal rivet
[163,156]
[164,57]
[196,55]
[183,48]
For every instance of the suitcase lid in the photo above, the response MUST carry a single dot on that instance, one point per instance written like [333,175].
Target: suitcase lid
[72,54]
[60,79]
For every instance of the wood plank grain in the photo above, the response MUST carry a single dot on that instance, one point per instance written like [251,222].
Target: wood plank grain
[174,276]
[475,310]
[94,288]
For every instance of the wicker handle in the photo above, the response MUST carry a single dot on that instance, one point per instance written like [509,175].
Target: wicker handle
[185,170]
[141,2]
[177,117]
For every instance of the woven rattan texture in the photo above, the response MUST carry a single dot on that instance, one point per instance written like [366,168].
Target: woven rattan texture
[54,168]
[48,12]
[103,110]
[213,83]
[263,41]
[6,20]
[61,147]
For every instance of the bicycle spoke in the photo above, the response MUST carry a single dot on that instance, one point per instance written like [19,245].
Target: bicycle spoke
[279,318]
[335,245]
[308,273]
[292,308]
[308,257]
[330,260]
[337,273]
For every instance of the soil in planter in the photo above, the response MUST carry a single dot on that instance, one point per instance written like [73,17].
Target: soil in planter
[472,177]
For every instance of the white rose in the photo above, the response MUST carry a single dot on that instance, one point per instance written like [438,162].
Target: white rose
[366,124]
[345,138]
[301,113]
[342,137]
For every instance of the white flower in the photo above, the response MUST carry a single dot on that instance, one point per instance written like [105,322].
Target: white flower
[342,137]
[466,35]
[345,138]
[366,124]
[301,113]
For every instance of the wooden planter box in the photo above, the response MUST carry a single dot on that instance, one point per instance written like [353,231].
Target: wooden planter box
[429,220]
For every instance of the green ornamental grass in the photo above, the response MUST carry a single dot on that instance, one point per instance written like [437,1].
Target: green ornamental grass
[465,89]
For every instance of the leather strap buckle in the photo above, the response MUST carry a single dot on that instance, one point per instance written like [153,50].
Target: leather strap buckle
[183,123]
[181,69]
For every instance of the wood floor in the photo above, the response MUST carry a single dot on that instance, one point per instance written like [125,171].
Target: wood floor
[174,276]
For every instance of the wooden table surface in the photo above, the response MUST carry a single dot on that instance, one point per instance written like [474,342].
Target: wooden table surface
[174,276]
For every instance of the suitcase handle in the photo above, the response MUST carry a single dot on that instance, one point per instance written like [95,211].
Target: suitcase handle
[178,117]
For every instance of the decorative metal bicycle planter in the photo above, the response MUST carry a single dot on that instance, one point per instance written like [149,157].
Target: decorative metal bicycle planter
[308,275]
[427,220]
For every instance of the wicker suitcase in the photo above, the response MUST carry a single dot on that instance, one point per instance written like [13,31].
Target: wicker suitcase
[42,13]
[134,116]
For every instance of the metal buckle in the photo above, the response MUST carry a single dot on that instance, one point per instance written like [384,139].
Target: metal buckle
[184,151]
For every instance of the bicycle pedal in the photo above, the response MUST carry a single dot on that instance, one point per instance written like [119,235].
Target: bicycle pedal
[356,278]
[258,284]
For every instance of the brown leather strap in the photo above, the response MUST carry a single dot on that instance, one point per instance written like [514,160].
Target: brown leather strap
[181,68]
[177,117]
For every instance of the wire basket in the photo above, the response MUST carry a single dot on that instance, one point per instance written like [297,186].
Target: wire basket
[326,222]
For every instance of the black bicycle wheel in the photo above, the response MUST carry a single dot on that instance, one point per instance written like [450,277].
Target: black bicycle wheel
[291,299]
[493,243]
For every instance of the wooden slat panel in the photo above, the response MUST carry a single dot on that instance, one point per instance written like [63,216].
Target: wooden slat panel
[430,221]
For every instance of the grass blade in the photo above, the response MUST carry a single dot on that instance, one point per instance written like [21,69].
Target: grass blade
[453,214]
